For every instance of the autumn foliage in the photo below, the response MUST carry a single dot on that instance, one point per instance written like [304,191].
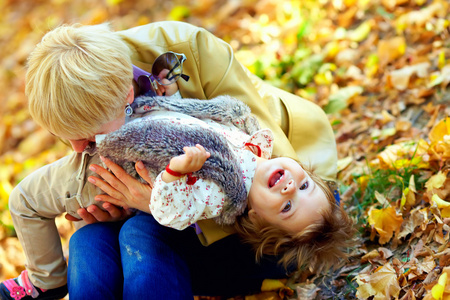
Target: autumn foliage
[379,68]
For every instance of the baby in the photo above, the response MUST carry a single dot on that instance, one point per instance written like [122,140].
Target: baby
[209,159]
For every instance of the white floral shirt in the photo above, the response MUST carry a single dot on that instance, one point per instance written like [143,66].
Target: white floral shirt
[178,204]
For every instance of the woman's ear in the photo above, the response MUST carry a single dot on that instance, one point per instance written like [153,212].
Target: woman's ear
[130,95]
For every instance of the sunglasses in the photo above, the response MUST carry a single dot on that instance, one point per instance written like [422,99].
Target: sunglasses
[166,69]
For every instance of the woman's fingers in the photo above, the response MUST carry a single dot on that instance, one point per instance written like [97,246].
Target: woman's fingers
[113,191]
[93,214]
[107,182]
[143,172]
[109,202]
[118,171]
[115,212]
[86,216]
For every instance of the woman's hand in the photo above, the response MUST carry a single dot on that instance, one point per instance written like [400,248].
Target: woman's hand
[122,189]
[93,214]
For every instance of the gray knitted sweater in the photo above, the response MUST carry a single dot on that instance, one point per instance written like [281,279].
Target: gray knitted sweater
[155,142]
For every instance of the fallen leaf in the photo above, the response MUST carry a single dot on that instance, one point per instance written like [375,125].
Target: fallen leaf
[443,206]
[440,131]
[436,181]
[386,221]
[381,284]
[272,284]
[400,78]
[391,49]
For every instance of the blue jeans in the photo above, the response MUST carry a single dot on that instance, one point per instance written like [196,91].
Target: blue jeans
[140,259]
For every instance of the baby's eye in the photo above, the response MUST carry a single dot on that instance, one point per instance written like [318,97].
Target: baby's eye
[304,186]
[287,207]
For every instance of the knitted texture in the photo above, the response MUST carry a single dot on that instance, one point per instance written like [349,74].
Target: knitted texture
[155,142]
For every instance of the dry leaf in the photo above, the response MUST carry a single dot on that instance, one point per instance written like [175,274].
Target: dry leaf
[400,78]
[386,221]
[382,284]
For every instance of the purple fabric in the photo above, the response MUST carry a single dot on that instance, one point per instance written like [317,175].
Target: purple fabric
[145,87]
[138,72]
[197,228]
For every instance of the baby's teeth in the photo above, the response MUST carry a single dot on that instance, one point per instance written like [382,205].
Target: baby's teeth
[278,180]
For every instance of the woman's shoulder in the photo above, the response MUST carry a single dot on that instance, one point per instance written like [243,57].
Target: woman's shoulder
[163,30]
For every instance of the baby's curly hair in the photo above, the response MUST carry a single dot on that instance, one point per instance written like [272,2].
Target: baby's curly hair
[318,246]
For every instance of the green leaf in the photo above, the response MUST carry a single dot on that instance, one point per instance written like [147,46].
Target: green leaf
[339,100]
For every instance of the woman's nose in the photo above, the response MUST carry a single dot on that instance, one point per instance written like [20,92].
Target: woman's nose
[289,188]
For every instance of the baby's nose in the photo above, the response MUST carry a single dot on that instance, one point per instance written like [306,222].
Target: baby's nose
[290,186]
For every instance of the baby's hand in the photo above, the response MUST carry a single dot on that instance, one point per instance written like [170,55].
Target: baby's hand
[191,161]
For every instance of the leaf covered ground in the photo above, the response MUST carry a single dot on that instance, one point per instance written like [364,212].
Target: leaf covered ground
[379,68]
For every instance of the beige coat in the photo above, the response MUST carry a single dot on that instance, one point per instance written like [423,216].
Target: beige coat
[300,127]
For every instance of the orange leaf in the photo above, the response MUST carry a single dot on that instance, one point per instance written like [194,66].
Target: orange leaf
[386,221]
[440,130]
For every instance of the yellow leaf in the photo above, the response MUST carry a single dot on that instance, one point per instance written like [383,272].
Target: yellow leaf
[442,77]
[361,32]
[5,218]
[441,60]
[438,290]
[436,181]
[403,201]
[272,285]
[382,284]
[363,181]
[386,221]
[440,130]
[5,189]
[372,65]
[443,205]
[179,12]
[325,78]
[113,2]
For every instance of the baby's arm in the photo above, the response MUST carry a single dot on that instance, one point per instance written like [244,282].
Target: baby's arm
[179,204]
[191,161]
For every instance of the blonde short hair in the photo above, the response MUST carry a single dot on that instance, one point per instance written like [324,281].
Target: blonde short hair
[78,79]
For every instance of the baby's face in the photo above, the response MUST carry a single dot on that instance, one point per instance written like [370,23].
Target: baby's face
[284,195]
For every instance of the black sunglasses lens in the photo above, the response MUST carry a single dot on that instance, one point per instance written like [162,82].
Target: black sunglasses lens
[168,67]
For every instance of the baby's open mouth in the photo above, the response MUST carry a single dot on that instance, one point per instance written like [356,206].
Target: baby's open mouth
[275,178]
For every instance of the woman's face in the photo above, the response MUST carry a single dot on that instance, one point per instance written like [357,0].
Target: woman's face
[79,145]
